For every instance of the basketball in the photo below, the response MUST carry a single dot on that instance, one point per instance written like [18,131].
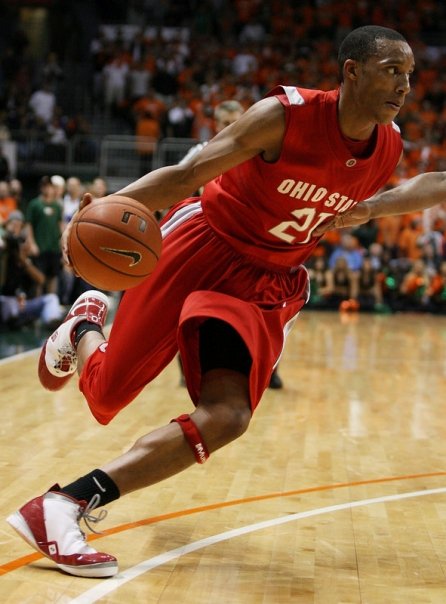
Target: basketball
[114,243]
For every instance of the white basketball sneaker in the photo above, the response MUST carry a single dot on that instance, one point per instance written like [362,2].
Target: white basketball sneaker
[58,358]
[50,524]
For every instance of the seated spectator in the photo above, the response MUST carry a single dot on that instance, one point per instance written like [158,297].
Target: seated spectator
[348,249]
[436,291]
[388,232]
[377,255]
[321,283]
[408,246]
[413,288]
[392,273]
[98,188]
[430,256]
[344,286]
[19,304]
[370,296]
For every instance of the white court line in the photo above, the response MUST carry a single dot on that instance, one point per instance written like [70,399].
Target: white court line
[109,585]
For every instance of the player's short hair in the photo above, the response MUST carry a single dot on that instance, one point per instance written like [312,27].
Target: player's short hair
[361,44]
[231,106]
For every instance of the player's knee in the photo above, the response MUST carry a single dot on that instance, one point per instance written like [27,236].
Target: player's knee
[222,424]
[235,422]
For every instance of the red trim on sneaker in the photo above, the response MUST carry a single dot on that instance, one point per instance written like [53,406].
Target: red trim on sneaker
[48,380]
[32,513]
[91,306]
[30,523]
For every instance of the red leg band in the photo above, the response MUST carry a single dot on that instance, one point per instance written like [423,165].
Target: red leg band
[193,437]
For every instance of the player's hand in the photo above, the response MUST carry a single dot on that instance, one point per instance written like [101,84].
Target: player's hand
[64,244]
[85,201]
[358,215]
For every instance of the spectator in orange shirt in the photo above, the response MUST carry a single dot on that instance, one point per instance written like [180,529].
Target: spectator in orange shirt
[389,228]
[408,240]
[7,202]
[148,131]
[414,286]
[150,102]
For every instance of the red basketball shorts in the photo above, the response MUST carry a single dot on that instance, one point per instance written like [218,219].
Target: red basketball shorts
[198,276]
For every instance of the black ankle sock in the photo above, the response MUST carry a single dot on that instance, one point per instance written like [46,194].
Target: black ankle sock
[82,328]
[95,483]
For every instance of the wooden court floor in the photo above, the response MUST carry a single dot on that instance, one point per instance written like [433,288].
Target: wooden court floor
[336,494]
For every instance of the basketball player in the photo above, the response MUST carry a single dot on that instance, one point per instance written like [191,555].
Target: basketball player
[230,281]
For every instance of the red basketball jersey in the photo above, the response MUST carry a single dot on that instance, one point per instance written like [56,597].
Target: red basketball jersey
[269,210]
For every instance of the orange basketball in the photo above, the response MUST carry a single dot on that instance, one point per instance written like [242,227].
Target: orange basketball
[114,243]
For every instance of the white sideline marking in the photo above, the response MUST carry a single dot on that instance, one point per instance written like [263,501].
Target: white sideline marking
[111,584]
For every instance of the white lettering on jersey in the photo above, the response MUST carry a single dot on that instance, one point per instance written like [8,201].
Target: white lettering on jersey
[308,220]
[300,231]
[311,192]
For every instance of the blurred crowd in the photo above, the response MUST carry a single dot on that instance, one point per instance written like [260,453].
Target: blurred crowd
[35,285]
[161,72]
[166,68]
[358,270]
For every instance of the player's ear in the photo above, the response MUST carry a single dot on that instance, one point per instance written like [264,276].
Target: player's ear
[350,69]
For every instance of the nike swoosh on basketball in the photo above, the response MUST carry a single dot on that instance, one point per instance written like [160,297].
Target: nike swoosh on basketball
[135,256]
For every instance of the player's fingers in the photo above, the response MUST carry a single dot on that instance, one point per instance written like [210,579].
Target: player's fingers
[323,228]
[339,221]
[85,201]
[66,256]
[64,245]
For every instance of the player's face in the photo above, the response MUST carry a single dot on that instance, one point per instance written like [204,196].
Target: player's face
[384,80]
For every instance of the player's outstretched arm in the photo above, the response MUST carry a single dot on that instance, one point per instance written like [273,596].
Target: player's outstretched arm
[259,130]
[418,193]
